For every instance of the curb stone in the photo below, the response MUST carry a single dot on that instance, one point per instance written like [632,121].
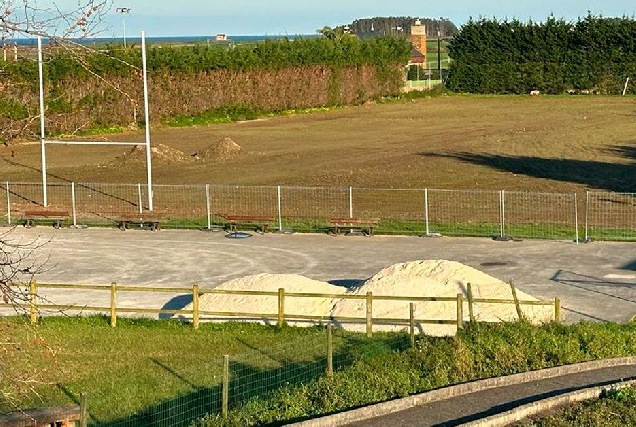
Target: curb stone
[402,404]
[522,412]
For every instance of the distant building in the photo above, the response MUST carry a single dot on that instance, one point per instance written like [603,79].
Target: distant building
[221,37]
[418,40]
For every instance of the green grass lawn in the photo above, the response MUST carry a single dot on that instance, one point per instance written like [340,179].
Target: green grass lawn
[144,372]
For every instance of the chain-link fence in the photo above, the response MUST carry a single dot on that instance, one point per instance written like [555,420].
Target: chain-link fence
[608,216]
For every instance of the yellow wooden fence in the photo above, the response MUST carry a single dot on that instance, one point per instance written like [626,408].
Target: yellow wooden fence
[34,307]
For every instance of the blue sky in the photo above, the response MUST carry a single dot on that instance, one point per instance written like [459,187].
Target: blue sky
[275,17]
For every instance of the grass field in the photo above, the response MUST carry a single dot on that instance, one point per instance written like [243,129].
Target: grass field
[549,144]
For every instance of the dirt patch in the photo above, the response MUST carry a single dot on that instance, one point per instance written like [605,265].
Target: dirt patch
[429,278]
[224,149]
[160,152]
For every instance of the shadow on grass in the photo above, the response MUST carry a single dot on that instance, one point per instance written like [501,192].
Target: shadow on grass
[617,177]
[248,382]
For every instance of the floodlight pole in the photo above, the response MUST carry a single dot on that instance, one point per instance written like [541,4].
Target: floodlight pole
[124,11]
[42,130]
[147,112]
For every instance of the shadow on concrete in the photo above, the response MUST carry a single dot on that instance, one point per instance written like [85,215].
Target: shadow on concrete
[177,303]
[629,266]
[617,177]
[347,283]
[594,285]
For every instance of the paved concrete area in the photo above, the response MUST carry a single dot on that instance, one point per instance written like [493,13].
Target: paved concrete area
[596,281]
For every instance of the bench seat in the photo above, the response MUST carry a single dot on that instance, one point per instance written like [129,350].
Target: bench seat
[151,220]
[365,225]
[261,222]
[56,216]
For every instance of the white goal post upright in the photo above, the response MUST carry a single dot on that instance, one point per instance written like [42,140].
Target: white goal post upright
[42,134]
[147,112]
[44,142]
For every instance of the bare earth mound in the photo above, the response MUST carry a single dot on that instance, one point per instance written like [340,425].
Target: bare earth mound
[430,278]
[160,152]
[221,150]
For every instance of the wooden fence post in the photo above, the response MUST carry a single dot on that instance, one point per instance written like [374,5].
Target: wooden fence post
[113,304]
[557,309]
[412,324]
[471,309]
[195,306]
[329,351]
[460,311]
[83,410]
[281,307]
[369,314]
[33,310]
[517,303]
[225,391]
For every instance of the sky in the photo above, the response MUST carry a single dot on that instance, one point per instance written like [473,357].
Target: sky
[290,17]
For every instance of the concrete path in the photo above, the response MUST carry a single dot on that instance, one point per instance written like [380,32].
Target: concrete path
[596,281]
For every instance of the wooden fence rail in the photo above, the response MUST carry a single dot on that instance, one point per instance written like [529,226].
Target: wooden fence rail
[34,307]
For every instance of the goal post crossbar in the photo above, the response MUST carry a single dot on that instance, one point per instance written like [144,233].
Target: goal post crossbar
[114,143]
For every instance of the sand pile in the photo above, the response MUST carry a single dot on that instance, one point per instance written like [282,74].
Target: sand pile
[159,152]
[437,278]
[269,304]
[430,278]
[220,150]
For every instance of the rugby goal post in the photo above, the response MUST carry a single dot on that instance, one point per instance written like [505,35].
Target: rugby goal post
[44,142]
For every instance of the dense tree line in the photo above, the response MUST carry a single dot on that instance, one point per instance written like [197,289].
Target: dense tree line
[593,54]
[399,26]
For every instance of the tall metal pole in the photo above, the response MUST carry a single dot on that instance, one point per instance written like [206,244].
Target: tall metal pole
[124,11]
[439,54]
[147,112]
[42,130]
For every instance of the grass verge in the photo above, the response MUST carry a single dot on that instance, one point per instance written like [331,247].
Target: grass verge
[144,371]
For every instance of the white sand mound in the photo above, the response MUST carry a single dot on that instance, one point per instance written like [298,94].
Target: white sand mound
[220,150]
[437,278]
[269,304]
[430,278]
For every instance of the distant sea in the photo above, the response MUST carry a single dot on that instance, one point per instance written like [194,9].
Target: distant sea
[180,39]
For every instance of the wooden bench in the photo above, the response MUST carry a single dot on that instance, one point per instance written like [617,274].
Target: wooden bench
[62,416]
[364,225]
[149,219]
[56,216]
[261,222]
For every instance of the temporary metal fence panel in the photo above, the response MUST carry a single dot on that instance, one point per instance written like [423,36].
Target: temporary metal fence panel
[399,211]
[539,215]
[243,200]
[104,204]
[464,212]
[5,204]
[309,208]
[181,206]
[610,216]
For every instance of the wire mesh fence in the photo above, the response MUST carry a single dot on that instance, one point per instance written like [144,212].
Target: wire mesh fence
[608,216]
[540,215]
